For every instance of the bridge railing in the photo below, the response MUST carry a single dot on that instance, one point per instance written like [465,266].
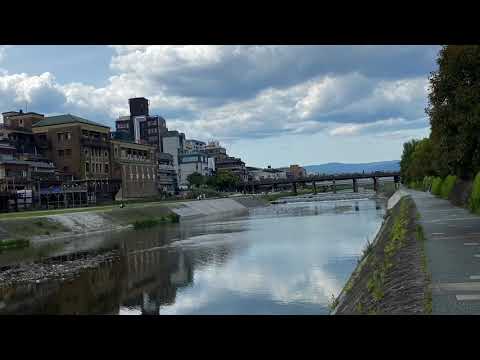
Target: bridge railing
[319,178]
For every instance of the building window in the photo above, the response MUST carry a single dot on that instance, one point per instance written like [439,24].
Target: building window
[86,152]
[60,153]
[106,168]
[60,137]
[87,167]
[106,154]
[69,135]
[68,152]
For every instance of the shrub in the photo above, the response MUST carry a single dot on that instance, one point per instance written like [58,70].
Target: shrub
[427,182]
[436,185]
[474,200]
[447,186]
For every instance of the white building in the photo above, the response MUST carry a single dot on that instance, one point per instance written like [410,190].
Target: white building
[173,144]
[269,173]
[192,146]
[193,163]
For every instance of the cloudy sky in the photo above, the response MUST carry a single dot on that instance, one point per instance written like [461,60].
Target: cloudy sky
[270,105]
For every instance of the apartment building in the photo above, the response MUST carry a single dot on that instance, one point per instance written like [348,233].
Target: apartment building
[78,147]
[193,146]
[235,165]
[140,126]
[166,174]
[135,165]
[17,130]
[214,150]
[193,163]
[173,144]
[268,173]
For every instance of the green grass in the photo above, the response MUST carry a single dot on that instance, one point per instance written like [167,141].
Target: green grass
[333,303]
[102,208]
[427,305]
[27,228]
[474,200]
[14,244]
[447,186]
[375,283]
[154,221]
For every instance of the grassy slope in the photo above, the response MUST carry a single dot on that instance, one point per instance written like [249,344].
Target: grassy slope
[392,278]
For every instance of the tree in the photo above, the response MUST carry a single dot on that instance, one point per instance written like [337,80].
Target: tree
[421,164]
[225,180]
[406,160]
[195,179]
[454,111]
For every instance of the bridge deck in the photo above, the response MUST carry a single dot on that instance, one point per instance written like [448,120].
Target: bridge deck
[320,178]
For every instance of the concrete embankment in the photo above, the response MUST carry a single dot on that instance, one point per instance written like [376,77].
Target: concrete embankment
[391,276]
[192,209]
[48,227]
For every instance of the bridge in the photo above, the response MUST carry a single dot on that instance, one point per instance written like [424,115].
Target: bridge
[255,185]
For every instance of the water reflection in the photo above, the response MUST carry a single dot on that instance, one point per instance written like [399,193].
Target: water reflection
[283,259]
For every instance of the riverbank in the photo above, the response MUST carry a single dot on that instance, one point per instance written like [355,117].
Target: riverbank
[391,276]
[51,225]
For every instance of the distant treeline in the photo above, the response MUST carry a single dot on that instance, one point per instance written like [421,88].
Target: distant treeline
[452,151]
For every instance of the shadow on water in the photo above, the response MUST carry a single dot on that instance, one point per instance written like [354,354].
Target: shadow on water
[247,263]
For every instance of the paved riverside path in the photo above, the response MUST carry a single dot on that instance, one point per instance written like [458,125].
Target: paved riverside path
[453,253]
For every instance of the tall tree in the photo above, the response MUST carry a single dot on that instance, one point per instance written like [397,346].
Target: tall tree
[454,111]
[422,161]
[406,160]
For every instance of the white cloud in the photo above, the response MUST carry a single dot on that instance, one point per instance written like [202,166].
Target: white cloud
[233,92]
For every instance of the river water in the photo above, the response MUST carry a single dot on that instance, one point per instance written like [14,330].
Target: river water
[281,259]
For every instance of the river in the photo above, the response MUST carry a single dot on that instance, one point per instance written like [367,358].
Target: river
[281,259]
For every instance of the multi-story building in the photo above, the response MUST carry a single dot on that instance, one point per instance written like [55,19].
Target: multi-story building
[268,173]
[140,126]
[235,165]
[166,174]
[80,148]
[173,144]
[17,130]
[136,166]
[214,150]
[193,163]
[193,146]
[296,171]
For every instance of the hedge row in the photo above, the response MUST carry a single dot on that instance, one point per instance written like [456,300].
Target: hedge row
[443,187]
[474,200]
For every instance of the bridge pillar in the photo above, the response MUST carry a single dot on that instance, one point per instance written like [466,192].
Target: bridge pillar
[314,188]
[375,184]
[355,185]
[295,188]
[334,187]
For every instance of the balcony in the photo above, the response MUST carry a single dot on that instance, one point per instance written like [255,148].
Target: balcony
[164,168]
[94,142]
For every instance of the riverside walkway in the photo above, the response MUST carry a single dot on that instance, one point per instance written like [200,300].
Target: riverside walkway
[453,253]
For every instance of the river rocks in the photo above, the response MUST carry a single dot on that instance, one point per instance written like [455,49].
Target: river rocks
[38,272]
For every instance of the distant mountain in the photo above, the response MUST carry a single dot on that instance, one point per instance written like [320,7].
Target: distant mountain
[339,168]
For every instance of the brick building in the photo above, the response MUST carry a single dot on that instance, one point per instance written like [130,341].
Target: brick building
[78,147]
[136,166]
